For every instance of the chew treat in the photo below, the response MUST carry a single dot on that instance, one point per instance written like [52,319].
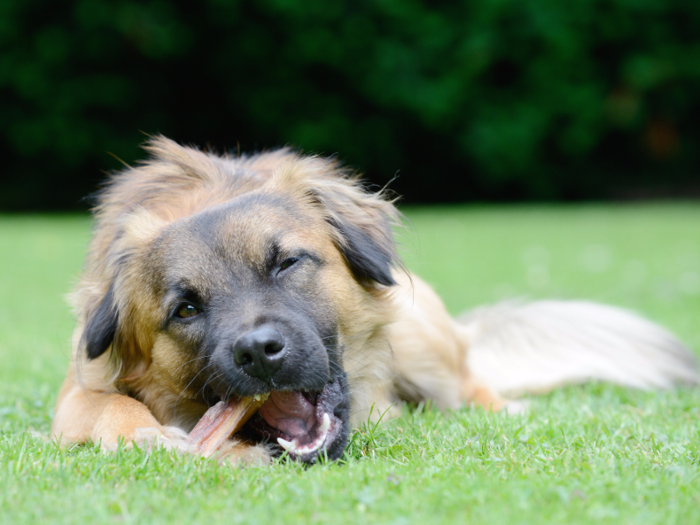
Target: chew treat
[222,420]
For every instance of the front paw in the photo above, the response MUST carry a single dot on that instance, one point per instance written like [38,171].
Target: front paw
[241,454]
[148,438]
[173,438]
[170,438]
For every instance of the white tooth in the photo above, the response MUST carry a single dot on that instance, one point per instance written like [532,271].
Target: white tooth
[326,424]
[289,446]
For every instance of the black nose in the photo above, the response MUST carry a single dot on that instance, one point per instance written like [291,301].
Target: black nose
[260,353]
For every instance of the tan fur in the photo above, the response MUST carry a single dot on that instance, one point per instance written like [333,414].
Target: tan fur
[399,342]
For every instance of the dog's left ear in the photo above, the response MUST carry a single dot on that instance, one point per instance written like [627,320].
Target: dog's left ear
[362,223]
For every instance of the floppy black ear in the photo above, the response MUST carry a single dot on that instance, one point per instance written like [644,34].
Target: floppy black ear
[101,326]
[362,222]
[370,258]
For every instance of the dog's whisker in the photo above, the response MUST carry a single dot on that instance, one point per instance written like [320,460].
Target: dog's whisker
[188,362]
[212,377]
[177,401]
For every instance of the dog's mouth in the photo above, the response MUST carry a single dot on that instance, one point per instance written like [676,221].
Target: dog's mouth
[305,424]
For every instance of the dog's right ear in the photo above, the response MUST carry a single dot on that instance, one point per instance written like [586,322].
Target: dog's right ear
[101,326]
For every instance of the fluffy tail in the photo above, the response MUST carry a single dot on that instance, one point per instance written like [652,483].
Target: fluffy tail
[535,347]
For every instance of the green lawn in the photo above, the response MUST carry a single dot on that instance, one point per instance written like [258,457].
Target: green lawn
[593,454]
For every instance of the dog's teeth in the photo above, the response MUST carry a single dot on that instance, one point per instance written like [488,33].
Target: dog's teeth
[292,446]
[326,424]
[289,446]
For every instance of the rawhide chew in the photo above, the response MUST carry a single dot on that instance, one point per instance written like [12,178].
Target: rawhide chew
[222,420]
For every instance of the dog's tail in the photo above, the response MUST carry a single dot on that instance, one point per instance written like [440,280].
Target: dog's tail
[535,347]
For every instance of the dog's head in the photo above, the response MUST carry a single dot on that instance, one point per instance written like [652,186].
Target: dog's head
[211,277]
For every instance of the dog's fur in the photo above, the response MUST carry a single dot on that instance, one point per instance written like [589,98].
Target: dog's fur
[291,243]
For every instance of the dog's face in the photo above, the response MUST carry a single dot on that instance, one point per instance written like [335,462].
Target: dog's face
[261,293]
[244,292]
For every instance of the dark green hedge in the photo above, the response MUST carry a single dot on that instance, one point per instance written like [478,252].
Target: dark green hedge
[497,99]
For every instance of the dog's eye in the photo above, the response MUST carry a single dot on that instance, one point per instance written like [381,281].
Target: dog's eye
[186,310]
[288,262]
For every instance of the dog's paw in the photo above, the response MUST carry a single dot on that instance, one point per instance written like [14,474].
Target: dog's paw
[148,438]
[170,438]
[173,438]
[243,455]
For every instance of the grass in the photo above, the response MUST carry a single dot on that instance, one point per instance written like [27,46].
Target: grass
[591,454]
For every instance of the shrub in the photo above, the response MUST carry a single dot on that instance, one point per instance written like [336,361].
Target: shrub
[497,99]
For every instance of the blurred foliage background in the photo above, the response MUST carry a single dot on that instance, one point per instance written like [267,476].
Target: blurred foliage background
[463,100]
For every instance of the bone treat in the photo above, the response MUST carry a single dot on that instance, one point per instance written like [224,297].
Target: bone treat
[221,421]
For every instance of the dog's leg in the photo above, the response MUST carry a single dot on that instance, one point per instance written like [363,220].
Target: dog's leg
[430,352]
[93,412]
[105,417]
[108,419]
[482,396]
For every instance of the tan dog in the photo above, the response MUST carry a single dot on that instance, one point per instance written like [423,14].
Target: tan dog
[217,276]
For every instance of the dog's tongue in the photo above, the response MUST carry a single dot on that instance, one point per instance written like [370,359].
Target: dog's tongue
[289,412]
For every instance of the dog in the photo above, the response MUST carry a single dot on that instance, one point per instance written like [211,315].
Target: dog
[211,276]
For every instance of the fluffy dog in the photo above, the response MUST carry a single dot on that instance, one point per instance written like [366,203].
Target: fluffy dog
[216,276]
